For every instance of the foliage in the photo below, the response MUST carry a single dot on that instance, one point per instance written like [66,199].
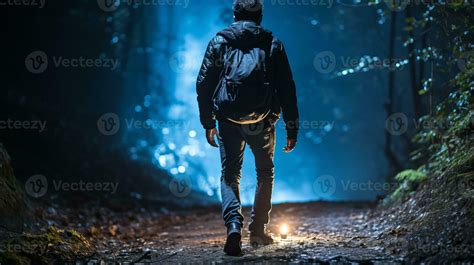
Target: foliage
[446,136]
[440,40]
[410,175]
[409,180]
[443,142]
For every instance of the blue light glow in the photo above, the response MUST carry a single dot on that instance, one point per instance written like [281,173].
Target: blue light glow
[338,106]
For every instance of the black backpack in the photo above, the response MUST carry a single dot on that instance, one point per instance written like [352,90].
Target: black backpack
[244,93]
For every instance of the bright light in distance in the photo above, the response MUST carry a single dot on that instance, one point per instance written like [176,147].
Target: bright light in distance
[284,229]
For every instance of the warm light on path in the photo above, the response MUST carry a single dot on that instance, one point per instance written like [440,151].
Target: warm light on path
[284,231]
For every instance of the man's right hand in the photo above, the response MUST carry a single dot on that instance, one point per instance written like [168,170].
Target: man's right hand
[210,136]
[290,145]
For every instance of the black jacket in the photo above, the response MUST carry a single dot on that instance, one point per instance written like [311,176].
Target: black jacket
[248,33]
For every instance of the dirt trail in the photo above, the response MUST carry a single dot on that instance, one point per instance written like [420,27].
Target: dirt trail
[319,232]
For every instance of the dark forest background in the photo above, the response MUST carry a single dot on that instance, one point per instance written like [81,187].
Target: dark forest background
[394,66]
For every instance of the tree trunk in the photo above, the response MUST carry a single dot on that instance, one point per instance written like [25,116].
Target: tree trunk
[417,104]
[392,158]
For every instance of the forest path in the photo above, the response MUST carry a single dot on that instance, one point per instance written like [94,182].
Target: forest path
[319,233]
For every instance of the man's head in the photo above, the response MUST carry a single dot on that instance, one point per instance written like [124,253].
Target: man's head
[248,10]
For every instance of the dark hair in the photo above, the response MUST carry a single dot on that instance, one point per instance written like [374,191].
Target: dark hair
[248,10]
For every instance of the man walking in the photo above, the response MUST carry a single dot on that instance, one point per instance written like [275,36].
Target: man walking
[245,82]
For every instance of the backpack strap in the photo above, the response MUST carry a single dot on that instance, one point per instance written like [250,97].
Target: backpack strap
[268,68]
[224,49]
[267,77]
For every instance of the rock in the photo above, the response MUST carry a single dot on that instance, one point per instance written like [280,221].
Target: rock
[13,203]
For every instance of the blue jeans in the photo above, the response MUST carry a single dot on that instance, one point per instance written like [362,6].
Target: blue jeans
[232,141]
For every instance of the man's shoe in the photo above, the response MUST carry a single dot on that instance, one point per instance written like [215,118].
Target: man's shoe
[233,244]
[260,238]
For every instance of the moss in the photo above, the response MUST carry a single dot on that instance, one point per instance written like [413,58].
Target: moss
[13,258]
[410,175]
[45,248]
[408,180]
